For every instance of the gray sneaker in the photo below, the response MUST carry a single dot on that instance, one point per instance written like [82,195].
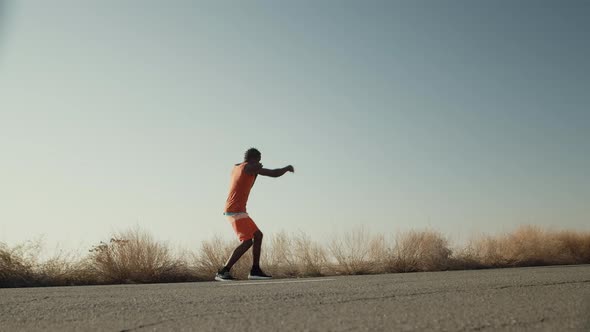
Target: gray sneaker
[224,276]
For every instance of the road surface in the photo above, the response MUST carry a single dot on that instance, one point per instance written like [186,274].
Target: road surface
[542,298]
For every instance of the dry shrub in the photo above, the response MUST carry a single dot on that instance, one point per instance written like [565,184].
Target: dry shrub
[15,269]
[21,266]
[134,256]
[575,246]
[310,257]
[528,246]
[294,256]
[419,251]
[352,252]
[379,253]
[64,270]
[279,256]
[485,251]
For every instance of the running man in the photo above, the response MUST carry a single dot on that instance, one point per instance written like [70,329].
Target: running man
[242,179]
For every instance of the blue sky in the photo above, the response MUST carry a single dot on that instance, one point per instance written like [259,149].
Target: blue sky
[461,116]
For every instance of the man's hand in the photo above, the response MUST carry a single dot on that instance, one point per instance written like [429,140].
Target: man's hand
[290,169]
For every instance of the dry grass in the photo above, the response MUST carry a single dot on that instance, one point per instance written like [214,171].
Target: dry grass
[15,269]
[133,256]
[527,246]
[359,252]
[20,267]
[419,251]
[294,256]
[352,252]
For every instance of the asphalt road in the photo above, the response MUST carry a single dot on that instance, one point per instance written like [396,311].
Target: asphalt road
[545,298]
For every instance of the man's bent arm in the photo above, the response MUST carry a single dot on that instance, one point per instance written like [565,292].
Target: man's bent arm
[275,173]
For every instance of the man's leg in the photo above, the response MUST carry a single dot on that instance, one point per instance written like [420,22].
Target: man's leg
[237,254]
[257,246]
[256,273]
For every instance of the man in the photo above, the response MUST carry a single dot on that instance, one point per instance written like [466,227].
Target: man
[242,179]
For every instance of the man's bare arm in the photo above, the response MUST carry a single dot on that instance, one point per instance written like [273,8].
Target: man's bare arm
[275,173]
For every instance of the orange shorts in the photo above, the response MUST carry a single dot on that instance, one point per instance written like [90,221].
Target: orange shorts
[243,225]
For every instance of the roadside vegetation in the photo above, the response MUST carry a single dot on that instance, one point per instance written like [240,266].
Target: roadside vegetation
[134,256]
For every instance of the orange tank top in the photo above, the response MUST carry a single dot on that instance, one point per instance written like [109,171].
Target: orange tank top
[239,189]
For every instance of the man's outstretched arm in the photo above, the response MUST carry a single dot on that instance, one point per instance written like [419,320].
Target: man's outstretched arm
[275,173]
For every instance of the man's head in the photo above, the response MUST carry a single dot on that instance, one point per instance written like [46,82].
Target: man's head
[252,155]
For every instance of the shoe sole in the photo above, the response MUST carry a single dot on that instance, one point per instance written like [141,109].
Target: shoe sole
[258,278]
[221,279]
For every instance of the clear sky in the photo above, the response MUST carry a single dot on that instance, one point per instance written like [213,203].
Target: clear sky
[463,116]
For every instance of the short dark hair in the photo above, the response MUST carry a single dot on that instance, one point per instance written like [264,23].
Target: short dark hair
[251,153]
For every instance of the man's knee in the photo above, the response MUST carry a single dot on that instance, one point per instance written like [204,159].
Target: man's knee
[258,236]
[247,243]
